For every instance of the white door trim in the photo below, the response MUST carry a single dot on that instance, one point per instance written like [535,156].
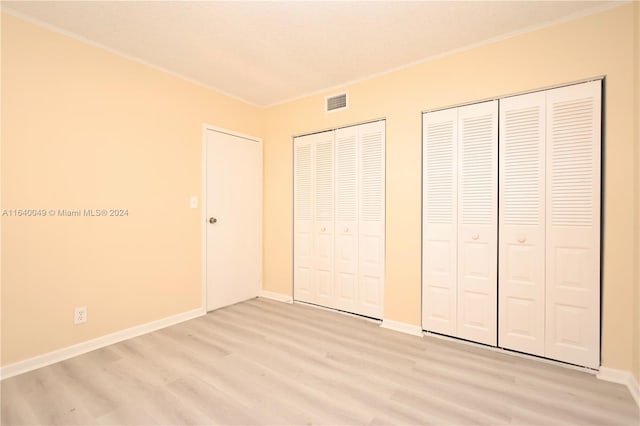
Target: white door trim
[203,203]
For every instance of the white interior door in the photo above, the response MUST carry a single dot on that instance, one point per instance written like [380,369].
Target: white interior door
[573,224]
[439,228]
[477,222]
[234,218]
[521,281]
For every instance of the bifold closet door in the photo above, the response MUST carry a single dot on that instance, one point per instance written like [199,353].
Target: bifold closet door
[521,306]
[440,224]
[371,218]
[303,226]
[478,222]
[550,154]
[460,149]
[360,212]
[573,224]
[346,225]
[313,218]
[339,218]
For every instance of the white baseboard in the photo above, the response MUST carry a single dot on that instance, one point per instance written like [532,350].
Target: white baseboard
[402,327]
[275,296]
[623,377]
[58,355]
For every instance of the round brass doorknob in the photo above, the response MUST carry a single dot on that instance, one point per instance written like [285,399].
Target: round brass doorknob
[212,220]
[475,236]
[522,239]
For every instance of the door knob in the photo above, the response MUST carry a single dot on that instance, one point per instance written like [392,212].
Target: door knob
[346,230]
[323,229]
[212,220]
[475,236]
[522,239]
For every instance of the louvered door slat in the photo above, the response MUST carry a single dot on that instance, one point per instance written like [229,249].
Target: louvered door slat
[477,222]
[439,227]
[521,307]
[371,218]
[573,224]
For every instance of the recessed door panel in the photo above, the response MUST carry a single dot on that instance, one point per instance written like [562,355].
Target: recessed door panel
[346,263]
[371,268]
[324,260]
[477,304]
[304,261]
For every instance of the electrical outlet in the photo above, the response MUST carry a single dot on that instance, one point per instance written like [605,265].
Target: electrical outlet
[80,315]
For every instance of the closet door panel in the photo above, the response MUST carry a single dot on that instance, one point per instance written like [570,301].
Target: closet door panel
[439,227]
[371,224]
[573,224]
[477,222]
[323,217]
[346,224]
[303,227]
[521,307]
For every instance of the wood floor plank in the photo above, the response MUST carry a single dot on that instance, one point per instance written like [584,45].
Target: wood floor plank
[263,362]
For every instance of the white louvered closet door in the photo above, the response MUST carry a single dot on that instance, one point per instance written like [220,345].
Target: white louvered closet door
[303,227]
[439,228]
[521,281]
[573,224]
[477,222]
[323,183]
[371,223]
[346,223]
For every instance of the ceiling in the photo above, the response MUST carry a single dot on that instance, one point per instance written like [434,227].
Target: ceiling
[269,52]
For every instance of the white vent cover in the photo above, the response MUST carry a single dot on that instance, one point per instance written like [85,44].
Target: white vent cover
[335,102]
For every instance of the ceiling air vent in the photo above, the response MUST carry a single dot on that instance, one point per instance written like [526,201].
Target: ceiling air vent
[336,102]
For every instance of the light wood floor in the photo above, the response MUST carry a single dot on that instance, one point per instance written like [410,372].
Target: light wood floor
[265,362]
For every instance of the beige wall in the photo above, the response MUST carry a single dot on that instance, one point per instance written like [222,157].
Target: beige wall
[84,128]
[588,47]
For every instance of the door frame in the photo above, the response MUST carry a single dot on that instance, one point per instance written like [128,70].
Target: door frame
[203,205]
